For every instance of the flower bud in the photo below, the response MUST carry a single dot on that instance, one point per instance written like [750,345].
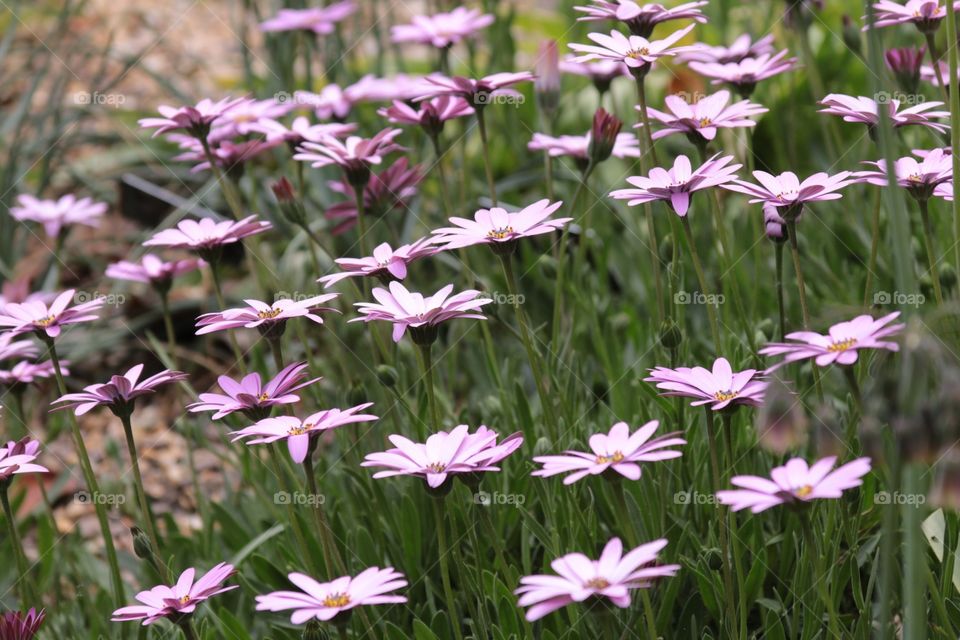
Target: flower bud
[851,34]
[290,205]
[670,335]
[666,249]
[774,225]
[603,135]
[141,544]
[905,64]
[547,82]
[357,395]
[387,375]
[315,631]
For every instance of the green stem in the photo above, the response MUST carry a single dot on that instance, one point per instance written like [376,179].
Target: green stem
[276,349]
[168,326]
[931,252]
[428,381]
[781,307]
[935,61]
[452,614]
[562,254]
[648,614]
[22,581]
[144,505]
[491,185]
[187,627]
[226,187]
[954,127]
[820,578]
[713,446]
[645,118]
[915,557]
[874,247]
[218,291]
[702,279]
[802,293]
[91,481]
[727,418]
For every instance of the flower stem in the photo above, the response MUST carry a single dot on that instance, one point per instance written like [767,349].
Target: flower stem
[445,569]
[702,279]
[802,293]
[145,512]
[645,118]
[187,627]
[781,308]
[168,326]
[491,185]
[527,340]
[91,481]
[648,614]
[562,253]
[713,446]
[218,291]
[874,247]
[935,62]
[931,252]
[426,360]
[276,349]
[441,175]
[226,187]
[727,418]
[954,126]
[821,580]
[361,219]
[22,582]
[645,141]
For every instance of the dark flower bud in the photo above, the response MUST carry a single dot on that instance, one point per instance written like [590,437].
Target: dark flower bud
[387,375]
[774,225]
[670,335]
[603,135]
[141,544]
[666,249]
[851,34]
[905,64]
[290,205]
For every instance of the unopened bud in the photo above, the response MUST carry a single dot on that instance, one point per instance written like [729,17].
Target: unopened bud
[141,544]
[315,631]
[670,335]
[387,375]
[603,135]
[905,64]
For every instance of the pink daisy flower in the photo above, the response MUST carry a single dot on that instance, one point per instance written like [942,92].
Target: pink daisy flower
[397,86]
[641,18]
[600,72]
[699,121]
[636,52]
[385,263]
[841,344]
[500,228]
[391,189]
[795,483]
[55,215]
[578,147]
[919,178]
[422,315]
[244,117]
[610,578]
[865,111]
[251,397]
[929,74]
[268,318]
[786,191]
[328,600]
[355,155]
[430,115]
[118,394]
[618,451]
[330,103]
[229,156]
[444,29]
[444,454]
[319,20]
[677,186]
[477,92]
[46,322]
[178,600]
[194,120]
[152,270]
[719,388]
[15,625]
[206,235]
[302,130]
[741,48]
[25,372]
[924,14]
[301,434]
[745,74]
[11,348]
[18,457]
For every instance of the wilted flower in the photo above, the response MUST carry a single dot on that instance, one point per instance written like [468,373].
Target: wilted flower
[677,185]
[406,309]
[794,483]
[444,454]
[501,228]
[641,18]
[745,74]
[319,20]
[46,322]
[618,451]
[300,434]
[841,344]
[178,600]
[18,457]
[699,121]
[719,388]
[325,601]
[118,394]
[612,577]
[636,52]
[443,29]
[251,397]
[54,215]
[268,318]
[385,263]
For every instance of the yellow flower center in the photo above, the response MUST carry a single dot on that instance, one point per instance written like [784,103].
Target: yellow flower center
[616,457]
[705,122]
[637,53]
[298,431]
[842,345]
[596,583]
[915,178]
[45,322]
[263,397]
[500,234]
[803,491]
[336,600]
[436,467]
[269,315]
[184,600]
[723,396]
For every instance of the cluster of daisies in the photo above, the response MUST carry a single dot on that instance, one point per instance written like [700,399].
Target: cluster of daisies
[221,136]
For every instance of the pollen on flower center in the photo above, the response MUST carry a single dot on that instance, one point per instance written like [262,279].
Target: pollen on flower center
[596,583]
[298,431]
[436,467]
[915,178]
[617,456]
[500,234]
[263,397]
[637,53]
[723,396]
[45,322]
[803,492]
[336,600]
[183,600]
[841,345]
[269,315]
[705,122]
